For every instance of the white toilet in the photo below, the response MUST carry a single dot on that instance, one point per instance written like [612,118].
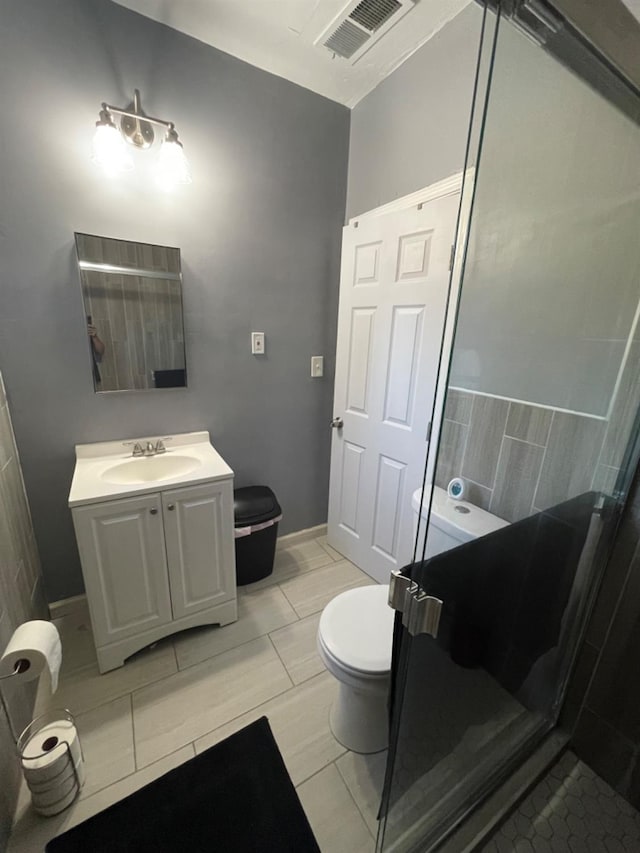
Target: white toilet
[355,635]
[452,522]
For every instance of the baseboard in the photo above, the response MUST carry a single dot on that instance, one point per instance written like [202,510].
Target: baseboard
[69,605]
[65,606]
[301,536]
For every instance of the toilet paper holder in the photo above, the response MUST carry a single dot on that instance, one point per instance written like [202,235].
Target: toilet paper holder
[20,667]
[39,726]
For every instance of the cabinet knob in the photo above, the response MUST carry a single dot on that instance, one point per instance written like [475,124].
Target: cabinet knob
[153,511]
[171,506]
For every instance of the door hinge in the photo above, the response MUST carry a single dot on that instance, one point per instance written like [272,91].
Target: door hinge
[452,256]
[420,612]
[428,439]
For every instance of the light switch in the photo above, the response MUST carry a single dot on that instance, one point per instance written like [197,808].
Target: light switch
[317,366]
[257,343]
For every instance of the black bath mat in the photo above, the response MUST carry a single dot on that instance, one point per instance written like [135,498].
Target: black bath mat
[235,797]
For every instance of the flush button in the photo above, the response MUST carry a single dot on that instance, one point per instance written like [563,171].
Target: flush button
[462,509]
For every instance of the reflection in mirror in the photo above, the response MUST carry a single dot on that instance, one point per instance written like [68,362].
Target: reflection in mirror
[132,296]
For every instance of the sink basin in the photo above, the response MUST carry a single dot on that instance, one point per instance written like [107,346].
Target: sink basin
[150,469]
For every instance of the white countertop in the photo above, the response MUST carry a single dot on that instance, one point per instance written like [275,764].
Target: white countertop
[93,460]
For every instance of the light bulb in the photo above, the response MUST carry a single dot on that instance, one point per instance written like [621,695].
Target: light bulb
[109,148]
[173,166]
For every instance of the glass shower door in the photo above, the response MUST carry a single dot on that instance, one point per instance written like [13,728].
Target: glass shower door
[542,391]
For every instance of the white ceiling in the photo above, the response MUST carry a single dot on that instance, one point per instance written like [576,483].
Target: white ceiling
[633,6]
[278,36]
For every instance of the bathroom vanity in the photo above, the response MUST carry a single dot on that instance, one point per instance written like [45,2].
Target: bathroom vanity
[155,536]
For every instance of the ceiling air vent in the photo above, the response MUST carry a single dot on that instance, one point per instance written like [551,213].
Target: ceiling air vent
[347,39]
[372,14]
[360,25]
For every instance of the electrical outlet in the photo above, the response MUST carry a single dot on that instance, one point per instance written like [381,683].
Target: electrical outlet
[257,343]
[317,366]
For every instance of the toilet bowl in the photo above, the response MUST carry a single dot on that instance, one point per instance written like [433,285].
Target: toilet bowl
[355,638]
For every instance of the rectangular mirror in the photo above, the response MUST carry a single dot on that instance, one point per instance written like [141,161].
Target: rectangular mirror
[132,296]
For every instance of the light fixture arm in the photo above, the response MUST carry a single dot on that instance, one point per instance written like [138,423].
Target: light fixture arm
[137,115]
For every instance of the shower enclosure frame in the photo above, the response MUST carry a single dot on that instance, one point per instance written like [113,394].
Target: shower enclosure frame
[574,49]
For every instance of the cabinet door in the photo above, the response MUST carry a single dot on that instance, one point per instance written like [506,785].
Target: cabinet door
[124,564]
[198,524]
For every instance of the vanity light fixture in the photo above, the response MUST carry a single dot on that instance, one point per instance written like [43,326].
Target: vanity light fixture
[137,128]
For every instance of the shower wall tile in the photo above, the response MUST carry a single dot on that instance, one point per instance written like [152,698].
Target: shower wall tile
[604,749]
[614,695]
[516,479]
[520,480]
[529,423]
[607,731]
[604,479]
[452,443]
[486,429]
[458,406]
[571,458]
[20,599]
[478,495]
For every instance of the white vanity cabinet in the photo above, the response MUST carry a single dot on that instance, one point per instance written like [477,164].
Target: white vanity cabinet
[156,563]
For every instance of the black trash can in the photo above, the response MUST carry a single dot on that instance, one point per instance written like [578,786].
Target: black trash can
[257,513]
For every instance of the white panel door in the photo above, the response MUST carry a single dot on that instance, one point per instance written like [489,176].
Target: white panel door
[393,297]
[198,523]
[124,565]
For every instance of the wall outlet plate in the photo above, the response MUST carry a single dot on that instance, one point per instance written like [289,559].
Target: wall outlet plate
[317,366]
[257,343]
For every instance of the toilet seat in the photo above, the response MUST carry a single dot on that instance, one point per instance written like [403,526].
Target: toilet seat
[356,631]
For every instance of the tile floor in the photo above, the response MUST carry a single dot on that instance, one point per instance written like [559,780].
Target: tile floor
[188,692]
[571,810]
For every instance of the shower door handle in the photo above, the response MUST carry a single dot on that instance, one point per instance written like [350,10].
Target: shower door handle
[420,612]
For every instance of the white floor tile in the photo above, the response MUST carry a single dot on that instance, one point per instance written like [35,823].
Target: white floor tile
[86,688]
[299,720]
[258,613]
[194,701]
[336,822]
[293,561]
[323,543]
[89,806]
[296,645]
[310,592]
[106,735]
[364,776]
[31,832]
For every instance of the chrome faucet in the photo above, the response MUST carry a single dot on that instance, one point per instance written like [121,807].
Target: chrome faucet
[150,449]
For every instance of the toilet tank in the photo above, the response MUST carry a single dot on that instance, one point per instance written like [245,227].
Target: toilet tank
[452,522]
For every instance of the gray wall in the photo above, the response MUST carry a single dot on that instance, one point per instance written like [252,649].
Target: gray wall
[412,129]
[21,599]
[551,278]
[259,230]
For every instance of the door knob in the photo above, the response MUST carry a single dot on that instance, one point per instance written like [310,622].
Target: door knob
[171,506]
[337,423]
[153,511]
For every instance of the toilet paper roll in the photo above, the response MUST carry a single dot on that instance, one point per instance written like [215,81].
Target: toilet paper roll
[45,755]
[60,806]
[36,785]
[33,646]
[53,795]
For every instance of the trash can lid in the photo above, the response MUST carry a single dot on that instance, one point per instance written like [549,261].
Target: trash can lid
[253,505]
